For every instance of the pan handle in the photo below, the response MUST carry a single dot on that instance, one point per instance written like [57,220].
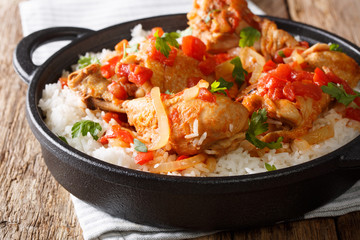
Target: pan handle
[22,58]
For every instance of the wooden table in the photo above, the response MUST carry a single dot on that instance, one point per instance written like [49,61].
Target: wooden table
[34,206]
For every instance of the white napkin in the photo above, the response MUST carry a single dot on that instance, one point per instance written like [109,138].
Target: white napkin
[95,15]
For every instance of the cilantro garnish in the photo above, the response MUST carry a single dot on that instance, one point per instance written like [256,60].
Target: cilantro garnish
[86,61]
[338,92]
[270,167]
[258,126]
[86,126]
[63,139]
[162,43]
[139,146]
[335,47]
[239,72]
[281,53]
[221,86]
[248,36]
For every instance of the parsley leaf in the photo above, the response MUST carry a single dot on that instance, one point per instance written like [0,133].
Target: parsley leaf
[139,146]
[258,126]
[239,72]
[281,53]
[162,43]
[168,92]
[338,92]
[63,139]
[335,47]
[221,86]
[86,61]
[85,126]
[270,167]
[248,36]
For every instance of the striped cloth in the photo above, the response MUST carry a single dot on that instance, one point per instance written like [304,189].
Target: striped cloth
[94,14]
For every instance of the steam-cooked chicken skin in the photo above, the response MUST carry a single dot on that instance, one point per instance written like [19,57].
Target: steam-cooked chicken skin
[218,23]
[339,63]
[89,82]
[171,78]
[214,121]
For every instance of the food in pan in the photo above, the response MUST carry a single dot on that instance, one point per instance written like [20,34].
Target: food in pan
[230,95]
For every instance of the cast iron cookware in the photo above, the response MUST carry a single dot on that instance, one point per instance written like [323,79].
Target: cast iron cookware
[171,201]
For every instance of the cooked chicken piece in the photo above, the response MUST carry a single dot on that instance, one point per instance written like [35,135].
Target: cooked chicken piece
[296,116]
[274,39]
[195,124]
[90,83]
[172,78]
[218,23]
[339,63]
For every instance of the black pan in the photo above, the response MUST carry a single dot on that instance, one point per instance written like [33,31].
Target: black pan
[171,201]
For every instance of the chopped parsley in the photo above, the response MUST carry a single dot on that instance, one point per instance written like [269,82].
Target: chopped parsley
[335,47]
[258,126]
[239,73]
[281,53]
[139,146]
[338,92]
[63,139]
[270,167]
[86,126]
[221,86]
[168,92]
[86,61]
[164,42]
[248,36]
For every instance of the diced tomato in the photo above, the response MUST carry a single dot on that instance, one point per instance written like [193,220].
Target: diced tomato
[119,48]
[159,31]
[353,113]
[207,66]
[320,78]
[304,44]
[307,89]
[181,157]
[143,157]
[289,92]
[301,75]
[206,95]
[285,52]
[140,75]
[283,71]
[221,57]
[192,81]
[111,115]
[269,65]
[117,90]
[155,54]
[108,69]
[103,140]
[124,135]
[63,81]
[193,47]
[135,73]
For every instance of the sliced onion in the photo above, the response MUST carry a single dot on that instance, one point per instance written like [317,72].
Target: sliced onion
[163,122]
[177,165]
[252,62]
[319,135]
[191,93]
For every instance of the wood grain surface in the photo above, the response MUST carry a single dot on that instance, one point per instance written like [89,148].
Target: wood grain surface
[34,206]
